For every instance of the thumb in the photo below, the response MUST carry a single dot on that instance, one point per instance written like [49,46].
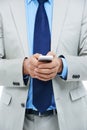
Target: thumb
[51,53]
[37,55]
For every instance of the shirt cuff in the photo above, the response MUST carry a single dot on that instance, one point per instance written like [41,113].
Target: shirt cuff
[25,78]
[65,69]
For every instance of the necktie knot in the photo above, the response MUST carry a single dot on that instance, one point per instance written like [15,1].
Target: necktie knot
[42,1]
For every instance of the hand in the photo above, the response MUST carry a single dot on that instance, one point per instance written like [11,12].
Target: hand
[30,64]
[48,70]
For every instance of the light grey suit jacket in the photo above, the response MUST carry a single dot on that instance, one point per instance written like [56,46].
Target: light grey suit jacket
[69,38]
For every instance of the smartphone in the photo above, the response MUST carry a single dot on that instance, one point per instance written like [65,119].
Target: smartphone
[45,58]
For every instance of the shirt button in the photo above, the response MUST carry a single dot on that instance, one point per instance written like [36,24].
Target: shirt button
[23,104]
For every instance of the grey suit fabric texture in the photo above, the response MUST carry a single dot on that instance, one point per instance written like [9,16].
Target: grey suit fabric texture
[69,39]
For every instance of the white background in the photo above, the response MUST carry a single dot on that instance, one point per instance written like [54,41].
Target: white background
[84,82]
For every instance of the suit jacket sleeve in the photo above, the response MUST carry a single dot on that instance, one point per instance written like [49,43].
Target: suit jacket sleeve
[11,74]
[77,65]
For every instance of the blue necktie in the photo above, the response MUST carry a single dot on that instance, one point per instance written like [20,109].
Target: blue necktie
[42,90]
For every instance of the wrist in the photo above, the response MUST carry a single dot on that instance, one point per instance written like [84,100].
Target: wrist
[60,66]
[64,72]
[25,63]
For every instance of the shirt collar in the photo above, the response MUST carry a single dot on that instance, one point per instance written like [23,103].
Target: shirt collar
[29,1]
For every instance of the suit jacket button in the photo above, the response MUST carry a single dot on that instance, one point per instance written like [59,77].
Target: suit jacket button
[16,83]
[23,104]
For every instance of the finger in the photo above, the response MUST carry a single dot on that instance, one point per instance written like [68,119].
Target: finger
[48,65]
[42,79]
[33,61]
[36,55]
[32,73]
[45,71]
[51,53]
[45,76]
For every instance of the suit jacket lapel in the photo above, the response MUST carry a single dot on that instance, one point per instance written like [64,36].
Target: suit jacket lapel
[19,16]
[59,14]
